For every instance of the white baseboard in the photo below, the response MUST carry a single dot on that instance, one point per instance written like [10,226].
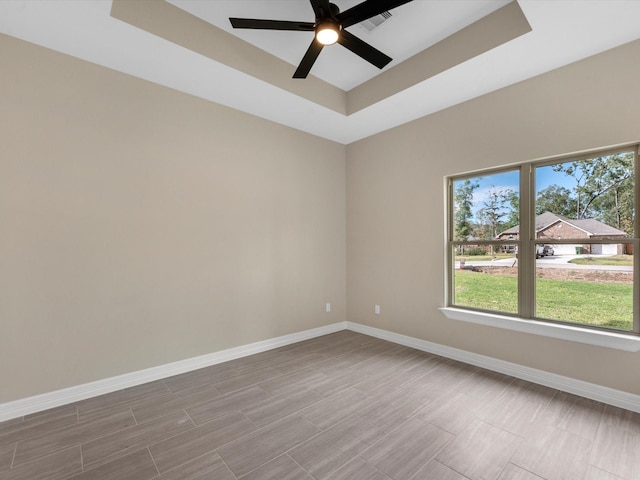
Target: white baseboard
[38,403]
[602,394]
[26,406]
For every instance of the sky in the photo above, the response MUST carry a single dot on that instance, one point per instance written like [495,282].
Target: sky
[545,177]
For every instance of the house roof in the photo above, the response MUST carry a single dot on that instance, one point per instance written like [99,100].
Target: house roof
[590,226]
[437,46]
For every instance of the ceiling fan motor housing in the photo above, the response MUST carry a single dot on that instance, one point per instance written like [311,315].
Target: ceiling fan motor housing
[329,28]
[328,31]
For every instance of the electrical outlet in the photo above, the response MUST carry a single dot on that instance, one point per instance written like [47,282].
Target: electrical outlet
[328,307]
[377,309]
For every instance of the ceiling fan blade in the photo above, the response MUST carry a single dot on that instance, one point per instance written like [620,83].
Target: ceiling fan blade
[271,24]
[367,9]
[308,60]
[321,8]
[363,49]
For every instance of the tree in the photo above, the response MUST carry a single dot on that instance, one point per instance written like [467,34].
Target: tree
[597,178]
[500,203]
[463,205]
[512,199]
[556,199]
[615,207]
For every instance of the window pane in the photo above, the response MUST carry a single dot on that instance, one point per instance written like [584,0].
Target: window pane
[486,281]
[592,198]
[593,284]
[485,207]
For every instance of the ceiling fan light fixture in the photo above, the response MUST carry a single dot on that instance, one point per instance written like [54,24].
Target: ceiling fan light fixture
[327,32]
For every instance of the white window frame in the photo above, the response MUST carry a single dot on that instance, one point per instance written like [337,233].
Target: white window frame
[525,321]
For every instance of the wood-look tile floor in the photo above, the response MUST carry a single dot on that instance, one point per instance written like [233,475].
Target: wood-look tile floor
[343,406]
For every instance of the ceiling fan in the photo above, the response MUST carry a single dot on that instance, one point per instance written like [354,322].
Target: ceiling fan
[329,28]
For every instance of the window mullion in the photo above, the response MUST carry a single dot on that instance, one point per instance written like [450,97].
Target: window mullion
[526,249]
[636,244]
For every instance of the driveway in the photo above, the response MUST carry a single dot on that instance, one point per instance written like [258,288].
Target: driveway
[553,261]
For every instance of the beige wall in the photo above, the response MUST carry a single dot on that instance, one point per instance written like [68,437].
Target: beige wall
[395,204]
[140,226]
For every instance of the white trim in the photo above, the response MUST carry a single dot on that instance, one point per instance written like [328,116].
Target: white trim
[600,338]
[618,398]
[37,403]
[19,408]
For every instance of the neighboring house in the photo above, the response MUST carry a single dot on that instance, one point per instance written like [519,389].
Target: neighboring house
[558,227]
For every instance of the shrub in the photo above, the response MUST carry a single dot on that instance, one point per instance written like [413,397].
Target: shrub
[475,251]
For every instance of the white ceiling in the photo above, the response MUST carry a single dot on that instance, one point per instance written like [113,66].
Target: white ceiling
[563,31]
[411,28]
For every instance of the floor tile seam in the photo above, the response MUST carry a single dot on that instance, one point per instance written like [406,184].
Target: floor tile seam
[442,428]
[248,386]
[226,465]
[17,434]
[502,428]
[204,379]
[165,414]
[496,394]
[98,437]
[453,437]
[285,389]
[143,424]
[258,427]
[263,464]
[402,385]
[163,402]
[43,414]
[123,404]
[296,413]
[457,471]
[368,397]
[288,451]
[296,462]
[368,463]
[224,413]
[433,459]
[603,423]
[13,457]
[118,453]
[110,410]
[447,466]
[321,431]
[134,418]
[510,462]
[596,441]
[584,437]
[212,418]
[153,461]
[335,358]
[48,454]
[253,432]
[439,402]
[521,443]
[173,467]
[302,367]
[613,475]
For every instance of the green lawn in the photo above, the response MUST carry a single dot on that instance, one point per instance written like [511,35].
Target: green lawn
[623,260]
[594,303]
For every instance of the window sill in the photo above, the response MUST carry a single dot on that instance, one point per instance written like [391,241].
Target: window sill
[605,339]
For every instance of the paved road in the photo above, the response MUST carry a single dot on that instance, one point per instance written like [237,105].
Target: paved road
[554,261]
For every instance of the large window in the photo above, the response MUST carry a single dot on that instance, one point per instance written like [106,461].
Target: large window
[551,241]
